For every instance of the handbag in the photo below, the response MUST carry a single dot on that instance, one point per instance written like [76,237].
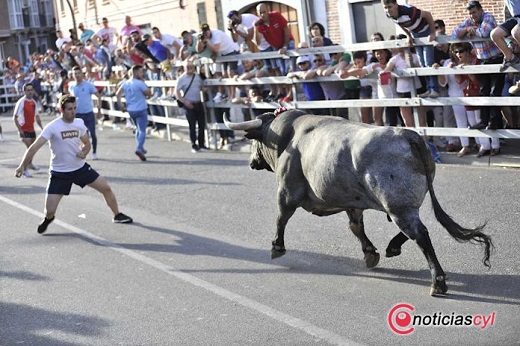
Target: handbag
[472,90]
[179,103]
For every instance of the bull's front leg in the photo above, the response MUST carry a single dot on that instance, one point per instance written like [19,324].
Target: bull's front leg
[287,195]
[284,214]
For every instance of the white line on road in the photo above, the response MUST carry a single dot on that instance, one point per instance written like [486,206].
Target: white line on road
[7,160]
[294,322]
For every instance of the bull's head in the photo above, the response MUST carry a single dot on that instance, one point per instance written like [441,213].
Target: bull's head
[255,131]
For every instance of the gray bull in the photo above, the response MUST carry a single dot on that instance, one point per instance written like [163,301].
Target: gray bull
[327,165]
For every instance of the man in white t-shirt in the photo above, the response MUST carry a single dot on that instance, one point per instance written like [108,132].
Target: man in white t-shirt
[69,145]
[61,40]
[108,33]
[242,28]
[171,42]
[221,45]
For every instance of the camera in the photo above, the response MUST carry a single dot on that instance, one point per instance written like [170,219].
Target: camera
[201,36]
[184,42]
[234,22]
[259,22]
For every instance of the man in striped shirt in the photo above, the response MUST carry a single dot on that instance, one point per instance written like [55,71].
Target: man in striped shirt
[416,23]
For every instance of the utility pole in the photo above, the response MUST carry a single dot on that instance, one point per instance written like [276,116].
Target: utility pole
[73,20]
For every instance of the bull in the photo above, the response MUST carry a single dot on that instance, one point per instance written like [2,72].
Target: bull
[328,165]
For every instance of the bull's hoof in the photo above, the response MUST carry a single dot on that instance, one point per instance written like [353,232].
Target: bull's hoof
[439,288]
[391,252]
[371,259]
[277,251]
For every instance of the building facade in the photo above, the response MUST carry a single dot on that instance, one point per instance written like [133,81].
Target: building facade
[26,28]
[31,23]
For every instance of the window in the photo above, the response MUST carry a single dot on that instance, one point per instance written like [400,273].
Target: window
[201,11]
[15,14]
[48,12]
[62,7]
[34,14]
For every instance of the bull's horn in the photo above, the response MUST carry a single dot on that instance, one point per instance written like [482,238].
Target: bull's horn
[245,125]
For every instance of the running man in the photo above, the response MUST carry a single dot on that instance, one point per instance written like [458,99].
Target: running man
[25,113]
[69,145]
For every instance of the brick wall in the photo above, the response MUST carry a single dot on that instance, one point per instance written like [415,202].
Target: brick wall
[333,20]
[454,14]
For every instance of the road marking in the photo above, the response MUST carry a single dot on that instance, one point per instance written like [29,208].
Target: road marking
[8,160]
[292,321]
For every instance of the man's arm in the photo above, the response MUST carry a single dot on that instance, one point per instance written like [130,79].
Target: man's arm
[285,40]
[18,126]
[98,95]
[119,95]
[431,24]
[462,30]
[86,146]
[147,91]
[39,121]
[29,154]
[487,25]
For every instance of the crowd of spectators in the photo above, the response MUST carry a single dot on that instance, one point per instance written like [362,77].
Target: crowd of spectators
[108,54]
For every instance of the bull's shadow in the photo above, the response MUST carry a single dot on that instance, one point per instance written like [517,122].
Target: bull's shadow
[494,287]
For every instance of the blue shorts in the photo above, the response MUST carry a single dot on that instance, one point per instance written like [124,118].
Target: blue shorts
[60,183]
[509,24]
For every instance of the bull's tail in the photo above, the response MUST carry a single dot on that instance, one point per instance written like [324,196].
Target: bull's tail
[459,233]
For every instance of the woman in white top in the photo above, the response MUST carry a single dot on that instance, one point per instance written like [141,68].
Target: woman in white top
[456,86]
[402,60]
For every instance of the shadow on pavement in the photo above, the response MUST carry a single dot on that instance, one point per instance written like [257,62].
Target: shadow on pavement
[24,324]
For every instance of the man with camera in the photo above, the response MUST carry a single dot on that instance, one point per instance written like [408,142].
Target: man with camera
[242,28]
[221,45]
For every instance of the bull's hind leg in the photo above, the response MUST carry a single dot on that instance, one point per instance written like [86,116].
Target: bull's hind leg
[394,247]
[357,227]
[411,225]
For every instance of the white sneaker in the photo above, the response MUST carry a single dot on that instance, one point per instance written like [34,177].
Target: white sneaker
[425,94]
[218,97]
[33,167]
[94,156]
[434,94]
[26,174]
[1,137]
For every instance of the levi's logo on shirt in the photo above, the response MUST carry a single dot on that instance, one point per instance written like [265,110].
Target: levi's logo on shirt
[69,134]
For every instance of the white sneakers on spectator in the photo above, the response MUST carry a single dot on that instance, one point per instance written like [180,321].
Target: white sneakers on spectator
[26,174]
[513,90]
[430,93]
[33,167]
[218,97]
[94,156]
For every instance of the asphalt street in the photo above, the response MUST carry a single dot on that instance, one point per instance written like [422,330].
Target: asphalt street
[195,269]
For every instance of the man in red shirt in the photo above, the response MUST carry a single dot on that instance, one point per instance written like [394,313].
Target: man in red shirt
[272,33]
[24,116]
